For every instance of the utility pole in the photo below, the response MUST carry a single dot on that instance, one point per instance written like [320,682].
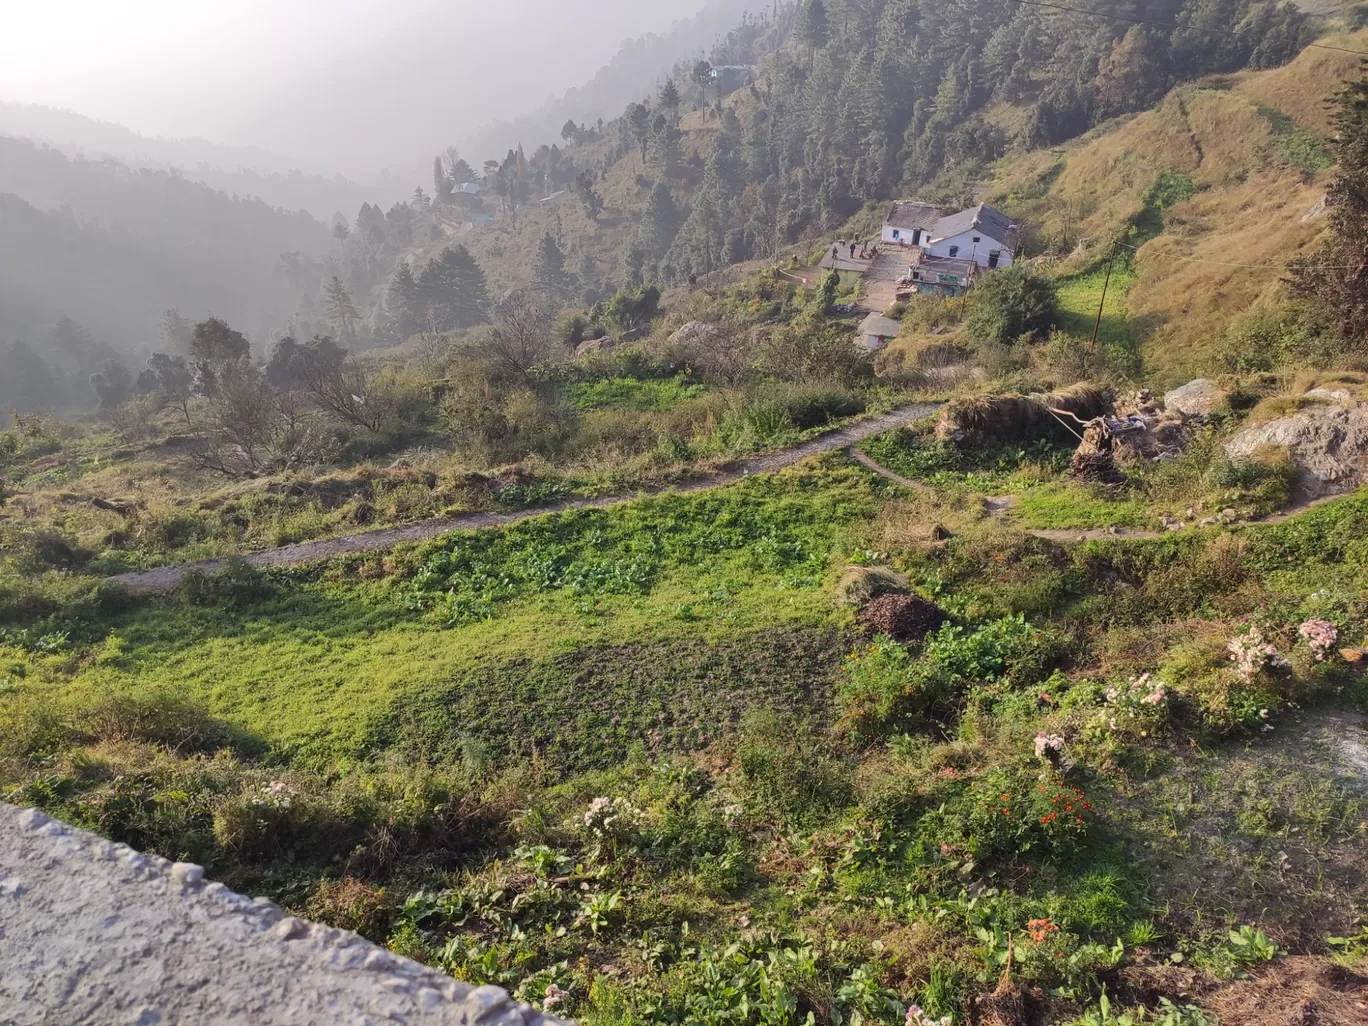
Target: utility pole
[1092,346]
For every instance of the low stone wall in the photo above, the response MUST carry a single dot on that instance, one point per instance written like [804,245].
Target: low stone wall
[95,933]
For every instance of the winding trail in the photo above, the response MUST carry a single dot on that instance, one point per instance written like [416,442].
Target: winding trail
[166,578]
[999,504]
[163,579]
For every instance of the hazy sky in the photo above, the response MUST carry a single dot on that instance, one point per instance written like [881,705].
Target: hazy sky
[351,83]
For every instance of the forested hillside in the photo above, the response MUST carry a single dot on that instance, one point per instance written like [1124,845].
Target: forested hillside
[113,248]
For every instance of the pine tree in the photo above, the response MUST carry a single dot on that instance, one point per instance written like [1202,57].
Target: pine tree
[342,313]
[660,222]
[669,100]
[1338,273]
[638,120]
[453,291]
[441,182]
[663,149]
[403,302]
[550,272]
[812,29]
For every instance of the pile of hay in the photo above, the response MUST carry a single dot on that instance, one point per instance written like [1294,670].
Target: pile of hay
[1016,417]
[859,584]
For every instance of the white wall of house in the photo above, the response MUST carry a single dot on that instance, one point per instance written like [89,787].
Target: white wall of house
[963,247]
[902,236]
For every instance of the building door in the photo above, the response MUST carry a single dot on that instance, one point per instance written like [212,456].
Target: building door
[916,236]
[993,258]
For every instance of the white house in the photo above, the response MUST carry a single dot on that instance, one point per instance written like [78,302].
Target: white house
[981,234]
[878,331]
[908,223]
[468,188]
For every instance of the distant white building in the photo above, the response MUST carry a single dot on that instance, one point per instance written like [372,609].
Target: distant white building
[981,234]
[908,223]
[469,188]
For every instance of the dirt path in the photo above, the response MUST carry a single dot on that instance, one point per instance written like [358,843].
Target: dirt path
[167,577]
[999,504]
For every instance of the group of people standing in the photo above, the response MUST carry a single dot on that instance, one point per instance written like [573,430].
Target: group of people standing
[867,252]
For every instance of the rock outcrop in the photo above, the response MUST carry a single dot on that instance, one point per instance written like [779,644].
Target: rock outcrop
[1328,444]
[1197,398]
[95,934]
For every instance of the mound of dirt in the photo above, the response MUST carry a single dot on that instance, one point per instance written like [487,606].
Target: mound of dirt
[905,618]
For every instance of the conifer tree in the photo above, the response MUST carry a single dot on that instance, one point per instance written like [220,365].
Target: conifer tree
[1338,273]
[341,310]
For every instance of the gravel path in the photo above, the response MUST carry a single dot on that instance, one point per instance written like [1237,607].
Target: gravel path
[166,578]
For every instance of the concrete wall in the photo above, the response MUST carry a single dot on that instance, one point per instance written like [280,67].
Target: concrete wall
[94,934]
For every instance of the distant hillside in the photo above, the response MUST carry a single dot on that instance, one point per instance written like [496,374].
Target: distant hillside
[113,247]
[279,180]
[1223,181]
[633,72]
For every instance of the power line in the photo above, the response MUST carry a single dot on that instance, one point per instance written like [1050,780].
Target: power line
[1158,24]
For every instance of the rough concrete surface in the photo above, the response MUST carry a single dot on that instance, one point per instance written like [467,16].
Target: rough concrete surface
[95,934]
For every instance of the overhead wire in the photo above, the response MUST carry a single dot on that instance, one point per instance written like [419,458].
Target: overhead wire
[1158,24]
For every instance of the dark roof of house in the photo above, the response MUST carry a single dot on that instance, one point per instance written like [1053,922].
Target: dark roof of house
[992,223]
[878,324]
[945,265]
[911,215]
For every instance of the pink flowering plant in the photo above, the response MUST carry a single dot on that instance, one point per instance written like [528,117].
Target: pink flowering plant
[1138,707]
[1253,655]
[1321,638]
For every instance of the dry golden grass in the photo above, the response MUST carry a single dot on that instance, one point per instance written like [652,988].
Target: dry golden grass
[1191,287]
[1300,88]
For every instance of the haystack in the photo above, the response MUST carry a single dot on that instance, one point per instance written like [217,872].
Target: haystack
[1015,417]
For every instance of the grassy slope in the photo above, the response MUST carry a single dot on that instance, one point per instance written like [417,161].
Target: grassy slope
[1250,209]
[326,672]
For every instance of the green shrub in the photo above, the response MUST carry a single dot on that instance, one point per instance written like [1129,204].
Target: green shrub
[236,583]
[156,716]
[881,690]
[1010,304]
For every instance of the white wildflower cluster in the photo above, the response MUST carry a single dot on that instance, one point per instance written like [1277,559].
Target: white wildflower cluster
[732,813]
[1252,654]
[1047,746]
[917,1017]
[608,816]
[1320,636]
[275,795]
[1137,704]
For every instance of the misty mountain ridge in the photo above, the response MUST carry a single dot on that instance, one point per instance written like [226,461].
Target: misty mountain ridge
[638,67]
[279,179]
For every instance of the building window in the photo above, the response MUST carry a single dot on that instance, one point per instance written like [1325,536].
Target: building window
[993,258]
[954,251]
[895,234]
[977,239]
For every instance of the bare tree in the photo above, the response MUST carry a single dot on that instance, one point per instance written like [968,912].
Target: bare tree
[345,387]
[522,335]
[251,428]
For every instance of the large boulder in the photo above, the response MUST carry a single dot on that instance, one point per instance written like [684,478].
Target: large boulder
[693,333]
[1327,441]
[1197,398]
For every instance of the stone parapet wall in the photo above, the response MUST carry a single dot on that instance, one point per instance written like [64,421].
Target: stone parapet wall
[95,933]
